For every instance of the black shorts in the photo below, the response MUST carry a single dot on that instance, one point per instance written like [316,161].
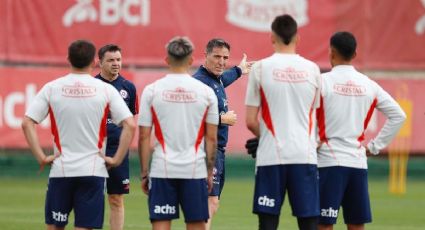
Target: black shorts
[84,195]
[119,177]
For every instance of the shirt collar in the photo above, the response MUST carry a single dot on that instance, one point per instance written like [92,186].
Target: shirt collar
[343,68]
[209,74]
[106,80]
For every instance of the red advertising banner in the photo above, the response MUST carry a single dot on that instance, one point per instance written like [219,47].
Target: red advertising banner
[19,85]
[390,33]
[3,32]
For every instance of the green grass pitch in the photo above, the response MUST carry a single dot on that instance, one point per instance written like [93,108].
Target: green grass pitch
[22,207]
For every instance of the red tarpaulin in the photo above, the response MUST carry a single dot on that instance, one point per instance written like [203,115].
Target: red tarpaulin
[390,33]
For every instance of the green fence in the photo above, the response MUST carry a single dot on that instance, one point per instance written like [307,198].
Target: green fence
[18,164]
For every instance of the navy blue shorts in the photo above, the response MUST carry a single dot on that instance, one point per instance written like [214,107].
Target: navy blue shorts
[165,196]
[83,194]
[301,182]
[218,173]
[119,177]
[346,187]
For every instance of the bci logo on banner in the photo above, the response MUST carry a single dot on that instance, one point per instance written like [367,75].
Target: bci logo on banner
[109,12]
[9,102]
[420,24]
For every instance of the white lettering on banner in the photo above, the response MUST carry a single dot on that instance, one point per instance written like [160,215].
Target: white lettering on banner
[257,15]
[9,109]
[111,12]
[420,24]
[1,112]
[14,99]
[166,209]
[82,11]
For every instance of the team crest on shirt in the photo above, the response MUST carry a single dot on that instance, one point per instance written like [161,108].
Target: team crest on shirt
[124,93]
[349,89]
[78,90]
[290,74]
[179,95]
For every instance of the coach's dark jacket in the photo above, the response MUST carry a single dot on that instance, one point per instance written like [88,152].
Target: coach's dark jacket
[218,84]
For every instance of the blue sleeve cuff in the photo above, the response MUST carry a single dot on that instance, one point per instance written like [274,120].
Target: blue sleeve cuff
[238,71]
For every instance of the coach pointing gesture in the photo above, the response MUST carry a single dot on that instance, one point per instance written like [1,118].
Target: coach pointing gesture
[213,74]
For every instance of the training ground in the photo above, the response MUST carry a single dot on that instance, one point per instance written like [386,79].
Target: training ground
[22,196]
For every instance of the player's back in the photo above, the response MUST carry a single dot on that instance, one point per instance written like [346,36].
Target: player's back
[288,87]
[180,105]
[78,107]
[348,100]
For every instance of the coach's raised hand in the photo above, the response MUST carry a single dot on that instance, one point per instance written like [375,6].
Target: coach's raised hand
[244,65]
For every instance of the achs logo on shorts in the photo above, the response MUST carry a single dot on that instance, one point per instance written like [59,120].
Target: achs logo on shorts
[330,212]
[266,201]
[124,94]
[166,209]
[59,217]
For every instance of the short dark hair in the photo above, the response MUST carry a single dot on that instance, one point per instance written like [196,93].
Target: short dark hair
[179,48]
[107,48]
[216,42]
[81,53]
[345,44]
[285,27]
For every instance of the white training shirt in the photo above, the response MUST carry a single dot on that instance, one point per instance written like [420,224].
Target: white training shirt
[78,106]
[348,99]
[177,106]
[286,87]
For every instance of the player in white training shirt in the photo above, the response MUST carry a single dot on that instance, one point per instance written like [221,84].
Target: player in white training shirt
[282,95]
[78,105]
[348,99]
[183,112]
